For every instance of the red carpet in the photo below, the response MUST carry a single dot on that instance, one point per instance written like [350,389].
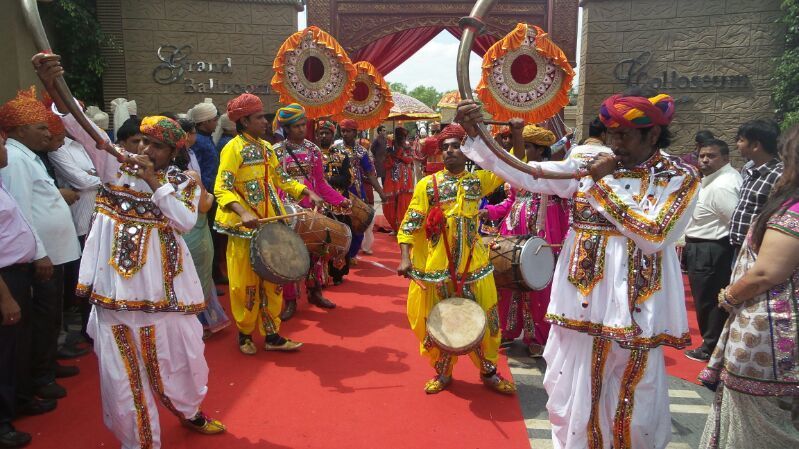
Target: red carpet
[357,383]
[677,364]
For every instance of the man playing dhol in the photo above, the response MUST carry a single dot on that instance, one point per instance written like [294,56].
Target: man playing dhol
[303,161]
[443,215]
[246,190]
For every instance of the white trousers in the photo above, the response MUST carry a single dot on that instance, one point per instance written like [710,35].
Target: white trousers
[369,237]
[601,395]
[142,355]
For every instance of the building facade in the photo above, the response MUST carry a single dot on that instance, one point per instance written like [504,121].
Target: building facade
[715,57]
[171,54]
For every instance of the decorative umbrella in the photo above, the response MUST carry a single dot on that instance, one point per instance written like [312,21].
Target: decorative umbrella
[409,108]
[525,75]
[312,69]
[371,100]
[449,100]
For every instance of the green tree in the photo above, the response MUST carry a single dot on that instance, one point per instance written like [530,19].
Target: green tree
[427,95]
[786,75]
[398,87]
[76,36]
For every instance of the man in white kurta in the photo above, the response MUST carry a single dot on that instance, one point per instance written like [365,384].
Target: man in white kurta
[620,289]
[137,272]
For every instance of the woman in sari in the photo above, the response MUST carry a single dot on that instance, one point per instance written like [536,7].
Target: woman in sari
[399,179]
[755,367]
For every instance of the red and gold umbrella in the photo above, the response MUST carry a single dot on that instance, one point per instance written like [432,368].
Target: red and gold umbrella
[525,75]
[371,100]
[312,69]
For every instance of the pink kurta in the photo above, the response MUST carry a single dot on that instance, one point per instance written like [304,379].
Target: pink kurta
[311,172]
[519,213]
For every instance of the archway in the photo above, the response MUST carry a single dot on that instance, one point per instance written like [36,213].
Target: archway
[386,32]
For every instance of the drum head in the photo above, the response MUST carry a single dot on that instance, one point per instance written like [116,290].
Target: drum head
[278,254]
[537,263]
[456,325]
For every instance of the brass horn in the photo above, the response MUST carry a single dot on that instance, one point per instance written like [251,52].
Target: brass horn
[472,26]
[31,13]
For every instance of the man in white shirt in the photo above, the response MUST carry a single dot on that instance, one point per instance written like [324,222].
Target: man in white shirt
[24,119]
[708,252]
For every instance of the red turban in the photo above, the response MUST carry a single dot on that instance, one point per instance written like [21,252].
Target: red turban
[636,112]
[502,130]
[55,125]
[430,146]
[24,109]
[348,123]
[243,105]
[452,131]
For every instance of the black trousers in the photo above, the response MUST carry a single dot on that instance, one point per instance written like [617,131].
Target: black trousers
[15,339]
[709,266]
[47,312]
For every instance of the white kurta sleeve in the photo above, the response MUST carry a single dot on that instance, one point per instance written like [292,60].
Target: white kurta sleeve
[478,151]
[106,165]
[654,222]
[179,206]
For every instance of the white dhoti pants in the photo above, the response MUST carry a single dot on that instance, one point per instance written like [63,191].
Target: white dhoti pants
[602,395]
[145,354]
[369,237]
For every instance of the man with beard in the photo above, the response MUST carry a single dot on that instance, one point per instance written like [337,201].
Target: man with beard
[620,295]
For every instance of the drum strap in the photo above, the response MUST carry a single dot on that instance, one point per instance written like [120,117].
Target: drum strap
[296,161]
[458,281]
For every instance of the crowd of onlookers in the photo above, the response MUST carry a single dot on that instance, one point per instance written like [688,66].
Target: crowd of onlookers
[48,187]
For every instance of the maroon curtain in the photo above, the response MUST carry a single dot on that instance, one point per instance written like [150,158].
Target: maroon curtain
[481,43]
[388,52]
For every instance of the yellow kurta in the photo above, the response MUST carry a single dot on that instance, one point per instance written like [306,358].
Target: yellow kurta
[459,197]
[249,174]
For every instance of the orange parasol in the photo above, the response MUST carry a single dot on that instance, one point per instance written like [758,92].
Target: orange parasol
[371,100]
[525,75]
[312,69]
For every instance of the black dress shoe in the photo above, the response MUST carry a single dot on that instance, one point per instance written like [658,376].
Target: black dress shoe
[36,407]
[72,352]
[62,371]
[698,354]
[315,297]
[14,438]
[51,391]
[289,308]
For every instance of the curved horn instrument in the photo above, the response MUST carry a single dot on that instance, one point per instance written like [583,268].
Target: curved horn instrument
[31,13]
[472,26]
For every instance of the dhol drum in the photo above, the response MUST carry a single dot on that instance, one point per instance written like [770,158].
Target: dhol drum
[278,254]
[456,325]
[322,235]
[522,262]
[362,215]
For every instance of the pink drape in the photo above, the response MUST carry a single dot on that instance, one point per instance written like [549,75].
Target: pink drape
[388,52]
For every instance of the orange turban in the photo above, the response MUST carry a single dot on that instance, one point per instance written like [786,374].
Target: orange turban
[55,125]
[502,130]
[348,123]
[24,109]
[243,105]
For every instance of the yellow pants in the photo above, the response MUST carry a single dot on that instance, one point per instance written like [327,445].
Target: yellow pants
[420,302]
[252,300]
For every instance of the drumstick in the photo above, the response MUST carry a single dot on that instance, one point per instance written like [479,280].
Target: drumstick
[277,217]
[549,245]
[419,283]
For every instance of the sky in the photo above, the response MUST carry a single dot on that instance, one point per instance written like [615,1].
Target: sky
[434,64]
